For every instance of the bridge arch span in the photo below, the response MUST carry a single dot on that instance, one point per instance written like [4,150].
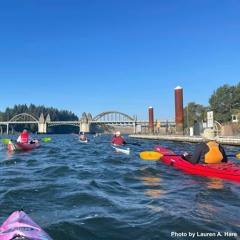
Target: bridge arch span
[24,116]
[112,115]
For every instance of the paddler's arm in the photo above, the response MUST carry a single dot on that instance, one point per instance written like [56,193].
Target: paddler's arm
[195,157]
[225,158]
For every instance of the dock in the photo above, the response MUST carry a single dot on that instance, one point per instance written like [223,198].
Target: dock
[224,140]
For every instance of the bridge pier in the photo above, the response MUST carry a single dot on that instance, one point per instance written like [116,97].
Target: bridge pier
[42,125]
[84,127]
[84,124]
[42,128]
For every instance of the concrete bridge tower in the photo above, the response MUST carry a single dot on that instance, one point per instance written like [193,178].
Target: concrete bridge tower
[84,125]
[42,126]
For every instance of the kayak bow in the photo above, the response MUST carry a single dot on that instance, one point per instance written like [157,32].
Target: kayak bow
[20,226]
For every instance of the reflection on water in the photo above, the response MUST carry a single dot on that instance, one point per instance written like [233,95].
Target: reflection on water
[156,209]
[154,193]
[152,182]
[215,183]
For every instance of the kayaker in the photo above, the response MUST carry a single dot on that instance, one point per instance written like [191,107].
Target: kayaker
[208,151]
[118,139]
[83,137]
[24,137]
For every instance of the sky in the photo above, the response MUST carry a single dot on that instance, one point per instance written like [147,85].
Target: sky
[95,56]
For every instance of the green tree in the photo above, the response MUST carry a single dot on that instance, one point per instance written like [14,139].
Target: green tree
[224,102]
[36,111]
[194,112]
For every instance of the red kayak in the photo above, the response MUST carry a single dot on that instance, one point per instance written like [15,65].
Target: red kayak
[220,170]
[15,146]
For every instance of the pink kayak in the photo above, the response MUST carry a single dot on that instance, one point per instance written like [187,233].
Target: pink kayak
[16,146]
[20,226]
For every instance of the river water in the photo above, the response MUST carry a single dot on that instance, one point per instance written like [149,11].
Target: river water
[88,191]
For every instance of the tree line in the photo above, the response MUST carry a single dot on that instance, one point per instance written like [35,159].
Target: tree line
[224,102]
[36,111]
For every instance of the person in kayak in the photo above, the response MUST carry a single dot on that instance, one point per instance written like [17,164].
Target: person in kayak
[83,137]
[208,151]
[118,139]
[24,137]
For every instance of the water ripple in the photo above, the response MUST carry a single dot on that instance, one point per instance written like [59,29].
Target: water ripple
[89,191]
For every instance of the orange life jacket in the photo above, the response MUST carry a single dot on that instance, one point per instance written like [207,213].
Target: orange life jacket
[24,137]
[214,155]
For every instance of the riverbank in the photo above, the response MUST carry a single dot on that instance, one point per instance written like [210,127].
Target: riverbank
[226,140]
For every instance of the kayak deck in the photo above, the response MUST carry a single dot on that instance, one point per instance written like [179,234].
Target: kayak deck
[16,146]
[83,141]
[220,170]
[119,148]
[20,226]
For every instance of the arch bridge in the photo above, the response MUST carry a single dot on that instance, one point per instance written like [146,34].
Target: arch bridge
[113,117]
[84,124]
[22,118]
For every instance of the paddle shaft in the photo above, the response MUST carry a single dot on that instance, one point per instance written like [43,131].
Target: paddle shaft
[151,155]
[6,140]
[180,155]
[135,144]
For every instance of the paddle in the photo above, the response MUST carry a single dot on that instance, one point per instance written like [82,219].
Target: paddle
[46,139]
[151,155]
[6,140]
[74,134]
[135,144]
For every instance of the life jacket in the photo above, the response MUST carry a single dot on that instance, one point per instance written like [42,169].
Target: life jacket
[213,155]
[118,140]
[24,137]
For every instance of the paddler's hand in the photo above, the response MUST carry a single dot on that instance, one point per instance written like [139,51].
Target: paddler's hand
[185,154]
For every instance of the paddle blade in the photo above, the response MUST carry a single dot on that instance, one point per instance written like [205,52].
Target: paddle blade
[46,139]
[238,155]
[148,155]
[5,140]
[74,134]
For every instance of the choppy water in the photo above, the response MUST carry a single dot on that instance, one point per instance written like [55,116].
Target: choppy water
[87,191]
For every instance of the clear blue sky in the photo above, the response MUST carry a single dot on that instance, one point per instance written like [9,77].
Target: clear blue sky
[125,55]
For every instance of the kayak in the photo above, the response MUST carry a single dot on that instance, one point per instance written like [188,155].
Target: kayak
[120,148]
[221,170]
[83,141]
[15,146]
[20,226]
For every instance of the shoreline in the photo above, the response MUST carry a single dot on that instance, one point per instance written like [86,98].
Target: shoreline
[224,140]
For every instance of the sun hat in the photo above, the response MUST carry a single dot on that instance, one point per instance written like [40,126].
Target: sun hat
[118,133]
[208,134]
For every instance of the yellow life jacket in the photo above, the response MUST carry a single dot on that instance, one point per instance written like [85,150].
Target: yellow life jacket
[214,155]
